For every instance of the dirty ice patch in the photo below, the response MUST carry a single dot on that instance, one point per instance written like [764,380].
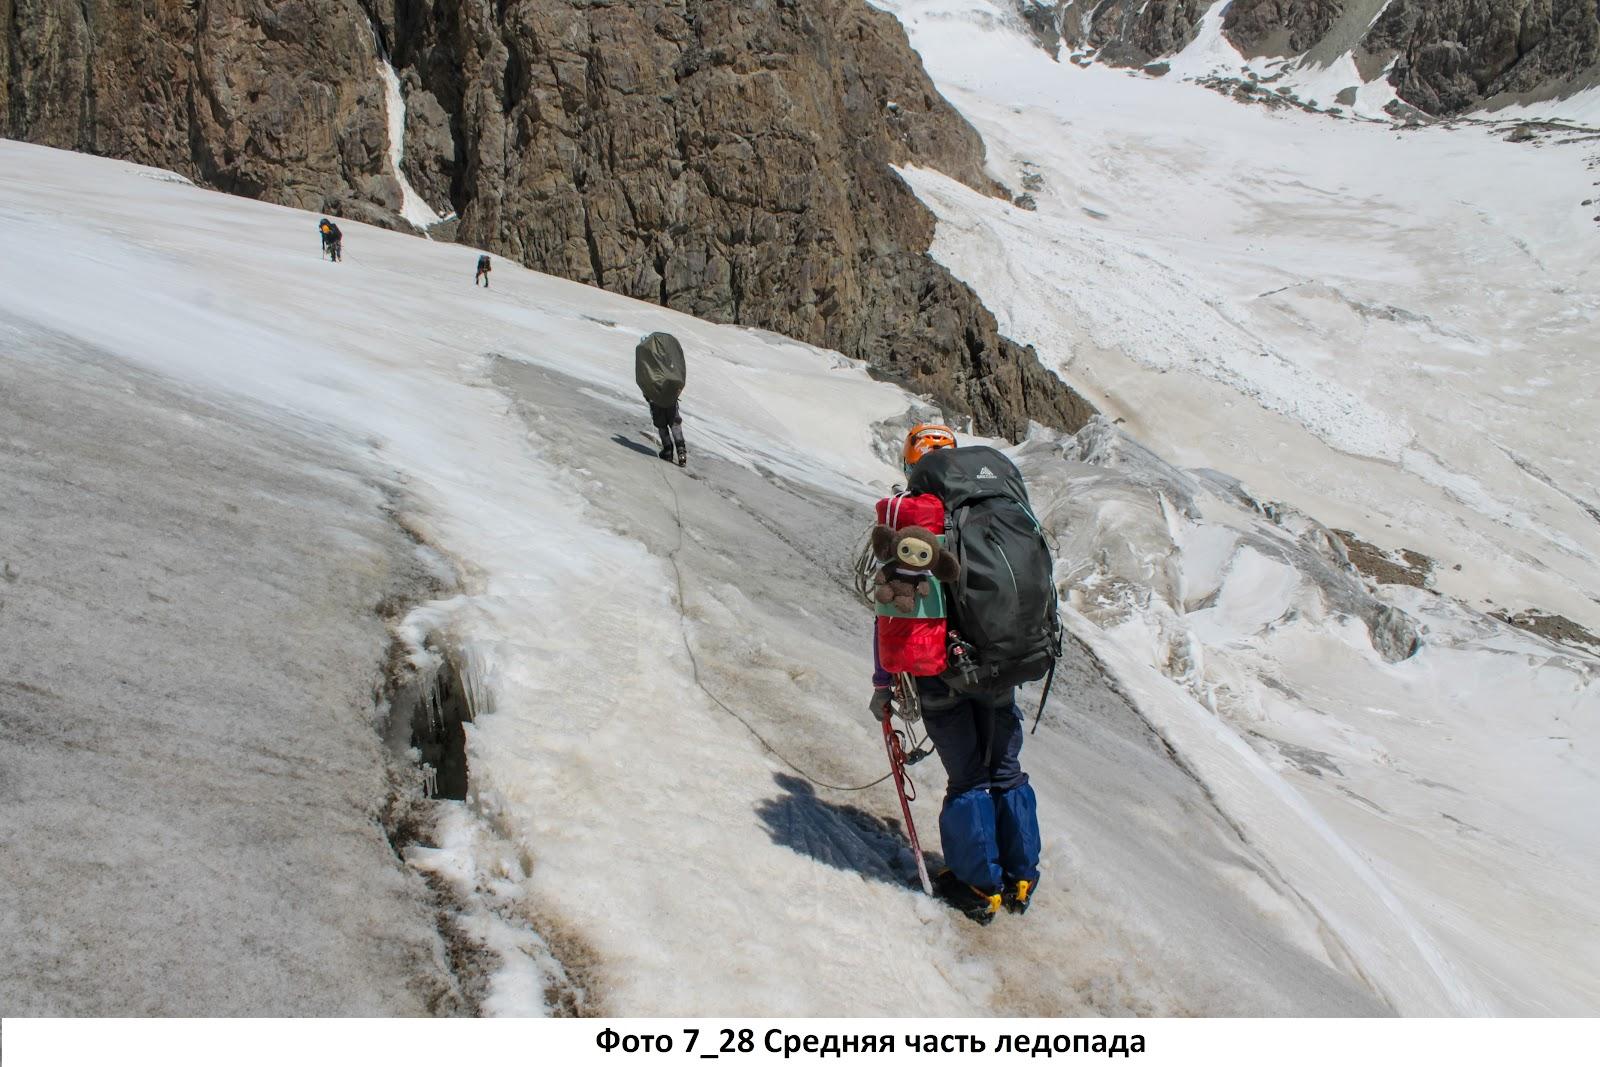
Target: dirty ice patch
[567,633]
[485,874]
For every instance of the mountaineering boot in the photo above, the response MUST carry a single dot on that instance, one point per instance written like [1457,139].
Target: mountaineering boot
[683,454]
[970,901]
[666,454]
[1017,895]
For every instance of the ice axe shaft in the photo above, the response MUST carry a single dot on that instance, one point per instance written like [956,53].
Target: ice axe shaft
[1044,696]
[897,764]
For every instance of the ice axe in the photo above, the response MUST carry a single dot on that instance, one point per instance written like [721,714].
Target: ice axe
[894,742]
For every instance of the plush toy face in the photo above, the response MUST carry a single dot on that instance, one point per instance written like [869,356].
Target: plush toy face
[913,549]
[914,552]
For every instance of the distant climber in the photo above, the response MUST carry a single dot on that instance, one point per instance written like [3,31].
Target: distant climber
[658,367]
[961,648]
[483,272]
[332,240]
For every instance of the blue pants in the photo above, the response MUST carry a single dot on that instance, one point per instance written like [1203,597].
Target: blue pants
[989,824]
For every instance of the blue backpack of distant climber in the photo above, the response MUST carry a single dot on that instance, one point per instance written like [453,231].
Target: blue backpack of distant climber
[1004,624]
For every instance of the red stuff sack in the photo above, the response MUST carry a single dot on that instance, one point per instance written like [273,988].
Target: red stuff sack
[913,643]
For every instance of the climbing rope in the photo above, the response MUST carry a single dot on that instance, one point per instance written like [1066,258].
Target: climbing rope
[694,663]
[866,566]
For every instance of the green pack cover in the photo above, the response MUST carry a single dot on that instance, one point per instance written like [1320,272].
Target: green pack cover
[659,369]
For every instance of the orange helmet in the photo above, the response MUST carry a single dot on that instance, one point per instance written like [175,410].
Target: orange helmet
[924,438]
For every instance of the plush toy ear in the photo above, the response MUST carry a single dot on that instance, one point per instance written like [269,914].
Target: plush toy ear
[883,543]
[945,567]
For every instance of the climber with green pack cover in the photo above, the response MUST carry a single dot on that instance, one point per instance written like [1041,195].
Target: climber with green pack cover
[659,368]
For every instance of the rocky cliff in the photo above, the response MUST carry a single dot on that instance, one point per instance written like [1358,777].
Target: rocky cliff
[1442,56]
[1451,55]
[728,158]
[1119,32]
[278,99]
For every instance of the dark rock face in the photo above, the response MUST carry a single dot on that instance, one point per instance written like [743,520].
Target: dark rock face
[1278,27]
[728,158]
[1449,55]
[278,100]
[1454,54]
[1043,20]
[1124,32]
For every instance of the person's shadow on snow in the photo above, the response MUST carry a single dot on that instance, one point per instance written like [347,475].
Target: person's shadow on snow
[840,835]
[634,445]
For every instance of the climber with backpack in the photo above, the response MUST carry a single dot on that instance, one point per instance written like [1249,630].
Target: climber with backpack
[658,367]
[332,240]
[955,650]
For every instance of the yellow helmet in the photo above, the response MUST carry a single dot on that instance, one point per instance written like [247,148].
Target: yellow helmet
[924,438]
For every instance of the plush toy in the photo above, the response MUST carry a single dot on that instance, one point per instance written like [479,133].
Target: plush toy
[908,557]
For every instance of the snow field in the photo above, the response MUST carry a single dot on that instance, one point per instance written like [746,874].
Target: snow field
[189,762]
[625,626]
[1389,329]
[1440,798]
[1313,78]
[345,349]
[1392,331]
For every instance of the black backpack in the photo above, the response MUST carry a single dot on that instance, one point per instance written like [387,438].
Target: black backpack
[1004,607]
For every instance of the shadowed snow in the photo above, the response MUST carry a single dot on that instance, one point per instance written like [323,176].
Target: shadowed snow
[189,759]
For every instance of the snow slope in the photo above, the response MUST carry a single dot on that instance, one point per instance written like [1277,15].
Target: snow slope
[1390,331]
[659,658]
[1316,78]
[1446,790]
[1325,74]
[1253,801]
[188,762]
